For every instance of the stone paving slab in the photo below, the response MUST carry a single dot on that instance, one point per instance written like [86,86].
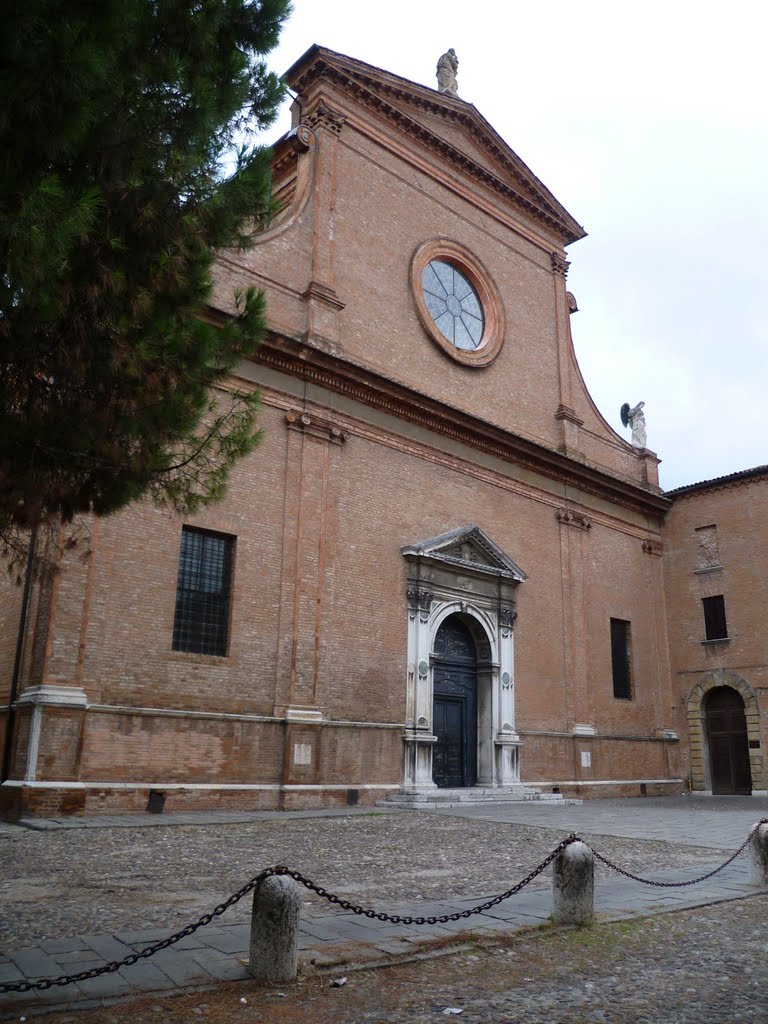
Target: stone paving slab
[140,819]
[328,938]
[718,822]
[334,936]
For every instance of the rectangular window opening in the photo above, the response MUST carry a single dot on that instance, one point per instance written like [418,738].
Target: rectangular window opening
[201,622]
[715,625]
[621,659]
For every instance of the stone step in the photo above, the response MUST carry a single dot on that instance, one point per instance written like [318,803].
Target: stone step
[431,798]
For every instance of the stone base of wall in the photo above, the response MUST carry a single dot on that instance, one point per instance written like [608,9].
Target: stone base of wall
[609,789]
[52,801]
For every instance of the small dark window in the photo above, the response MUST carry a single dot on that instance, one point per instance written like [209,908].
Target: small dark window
[201,624]
[714,617]
[620,659]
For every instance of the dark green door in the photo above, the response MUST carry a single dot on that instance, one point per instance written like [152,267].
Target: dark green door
[454,721]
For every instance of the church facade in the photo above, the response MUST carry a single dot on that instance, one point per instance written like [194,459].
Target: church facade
[440,569]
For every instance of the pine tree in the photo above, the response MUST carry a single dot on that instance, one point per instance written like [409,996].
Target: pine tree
[116,122]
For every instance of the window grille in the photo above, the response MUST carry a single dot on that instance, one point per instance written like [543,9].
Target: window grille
[201,623]
[715,625]
[620,659]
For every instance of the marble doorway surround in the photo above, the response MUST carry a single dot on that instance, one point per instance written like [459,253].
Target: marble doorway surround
[462,573]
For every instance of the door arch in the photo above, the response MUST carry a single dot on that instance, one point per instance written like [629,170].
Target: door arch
[454,714]
[727,742]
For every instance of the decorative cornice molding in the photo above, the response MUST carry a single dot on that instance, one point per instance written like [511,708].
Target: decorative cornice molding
[559,264]
[316,426]
[652,547]
[507,617]
[376,94]
[419,599]
[50,695]
[298,359]
[322,293]
[568,517]
[323,116]
[564,412]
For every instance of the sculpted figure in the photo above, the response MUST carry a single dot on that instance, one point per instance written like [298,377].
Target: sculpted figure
[447,68]
[635,417]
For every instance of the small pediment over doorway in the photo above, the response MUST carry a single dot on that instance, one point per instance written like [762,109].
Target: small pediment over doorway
[467,549]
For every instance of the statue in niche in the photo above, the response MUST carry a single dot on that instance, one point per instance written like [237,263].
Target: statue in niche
[635,418]
[447,69]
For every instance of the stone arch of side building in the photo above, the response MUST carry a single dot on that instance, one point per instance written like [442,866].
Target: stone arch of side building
[701,777]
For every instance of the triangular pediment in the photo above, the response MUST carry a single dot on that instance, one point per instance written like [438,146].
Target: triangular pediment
[453,129]
[467,547]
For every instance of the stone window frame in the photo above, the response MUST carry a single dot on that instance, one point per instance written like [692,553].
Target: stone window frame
[463,259]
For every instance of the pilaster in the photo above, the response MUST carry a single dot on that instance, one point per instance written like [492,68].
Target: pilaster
[314,447]
[574,531]
[321,301]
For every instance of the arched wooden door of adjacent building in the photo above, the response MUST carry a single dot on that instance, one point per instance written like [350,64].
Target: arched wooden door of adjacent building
[726,726]
[454,720]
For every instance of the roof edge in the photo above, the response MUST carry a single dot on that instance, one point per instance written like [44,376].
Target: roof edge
[718,481]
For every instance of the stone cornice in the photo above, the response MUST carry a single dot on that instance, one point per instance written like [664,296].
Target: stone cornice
[377,90]
[332,372]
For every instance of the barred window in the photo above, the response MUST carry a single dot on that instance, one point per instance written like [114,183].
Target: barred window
[714,617]
[201,623]
[620,659]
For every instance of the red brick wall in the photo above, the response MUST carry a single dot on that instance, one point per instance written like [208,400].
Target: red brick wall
[739,511]
[322,508]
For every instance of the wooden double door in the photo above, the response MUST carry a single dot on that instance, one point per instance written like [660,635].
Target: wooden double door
[454,719]
[727,741]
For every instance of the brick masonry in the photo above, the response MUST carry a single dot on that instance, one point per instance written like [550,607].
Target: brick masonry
[374,438]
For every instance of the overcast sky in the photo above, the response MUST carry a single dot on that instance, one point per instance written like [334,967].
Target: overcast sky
[650,125]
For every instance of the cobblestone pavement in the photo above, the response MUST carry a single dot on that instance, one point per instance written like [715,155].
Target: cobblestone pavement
[102,880]
[704,965]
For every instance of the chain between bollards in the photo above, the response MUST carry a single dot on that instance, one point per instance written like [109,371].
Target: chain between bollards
[691,881]
[278,869]
[442,919]
[344,904]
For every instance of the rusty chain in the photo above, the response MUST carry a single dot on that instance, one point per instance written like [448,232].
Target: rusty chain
[443,918]
[279,869]
[143,954]
[679,885]
[344,904]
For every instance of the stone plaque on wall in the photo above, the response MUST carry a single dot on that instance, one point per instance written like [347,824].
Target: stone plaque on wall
[707,553]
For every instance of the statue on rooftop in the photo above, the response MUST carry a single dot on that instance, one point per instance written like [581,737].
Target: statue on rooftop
[635,418]
[447,68]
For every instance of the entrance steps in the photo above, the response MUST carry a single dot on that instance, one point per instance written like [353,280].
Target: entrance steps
[430,798]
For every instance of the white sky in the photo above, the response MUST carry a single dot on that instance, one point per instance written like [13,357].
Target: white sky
[650,124]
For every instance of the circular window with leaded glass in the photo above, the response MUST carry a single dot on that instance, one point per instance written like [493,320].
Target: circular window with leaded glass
[453,304]
[457,303]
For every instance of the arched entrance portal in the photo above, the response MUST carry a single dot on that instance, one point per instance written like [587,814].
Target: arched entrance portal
[726,728]
[454,720]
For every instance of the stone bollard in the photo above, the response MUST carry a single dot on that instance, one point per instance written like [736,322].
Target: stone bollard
[758,856]
[573,885]
[274,956]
